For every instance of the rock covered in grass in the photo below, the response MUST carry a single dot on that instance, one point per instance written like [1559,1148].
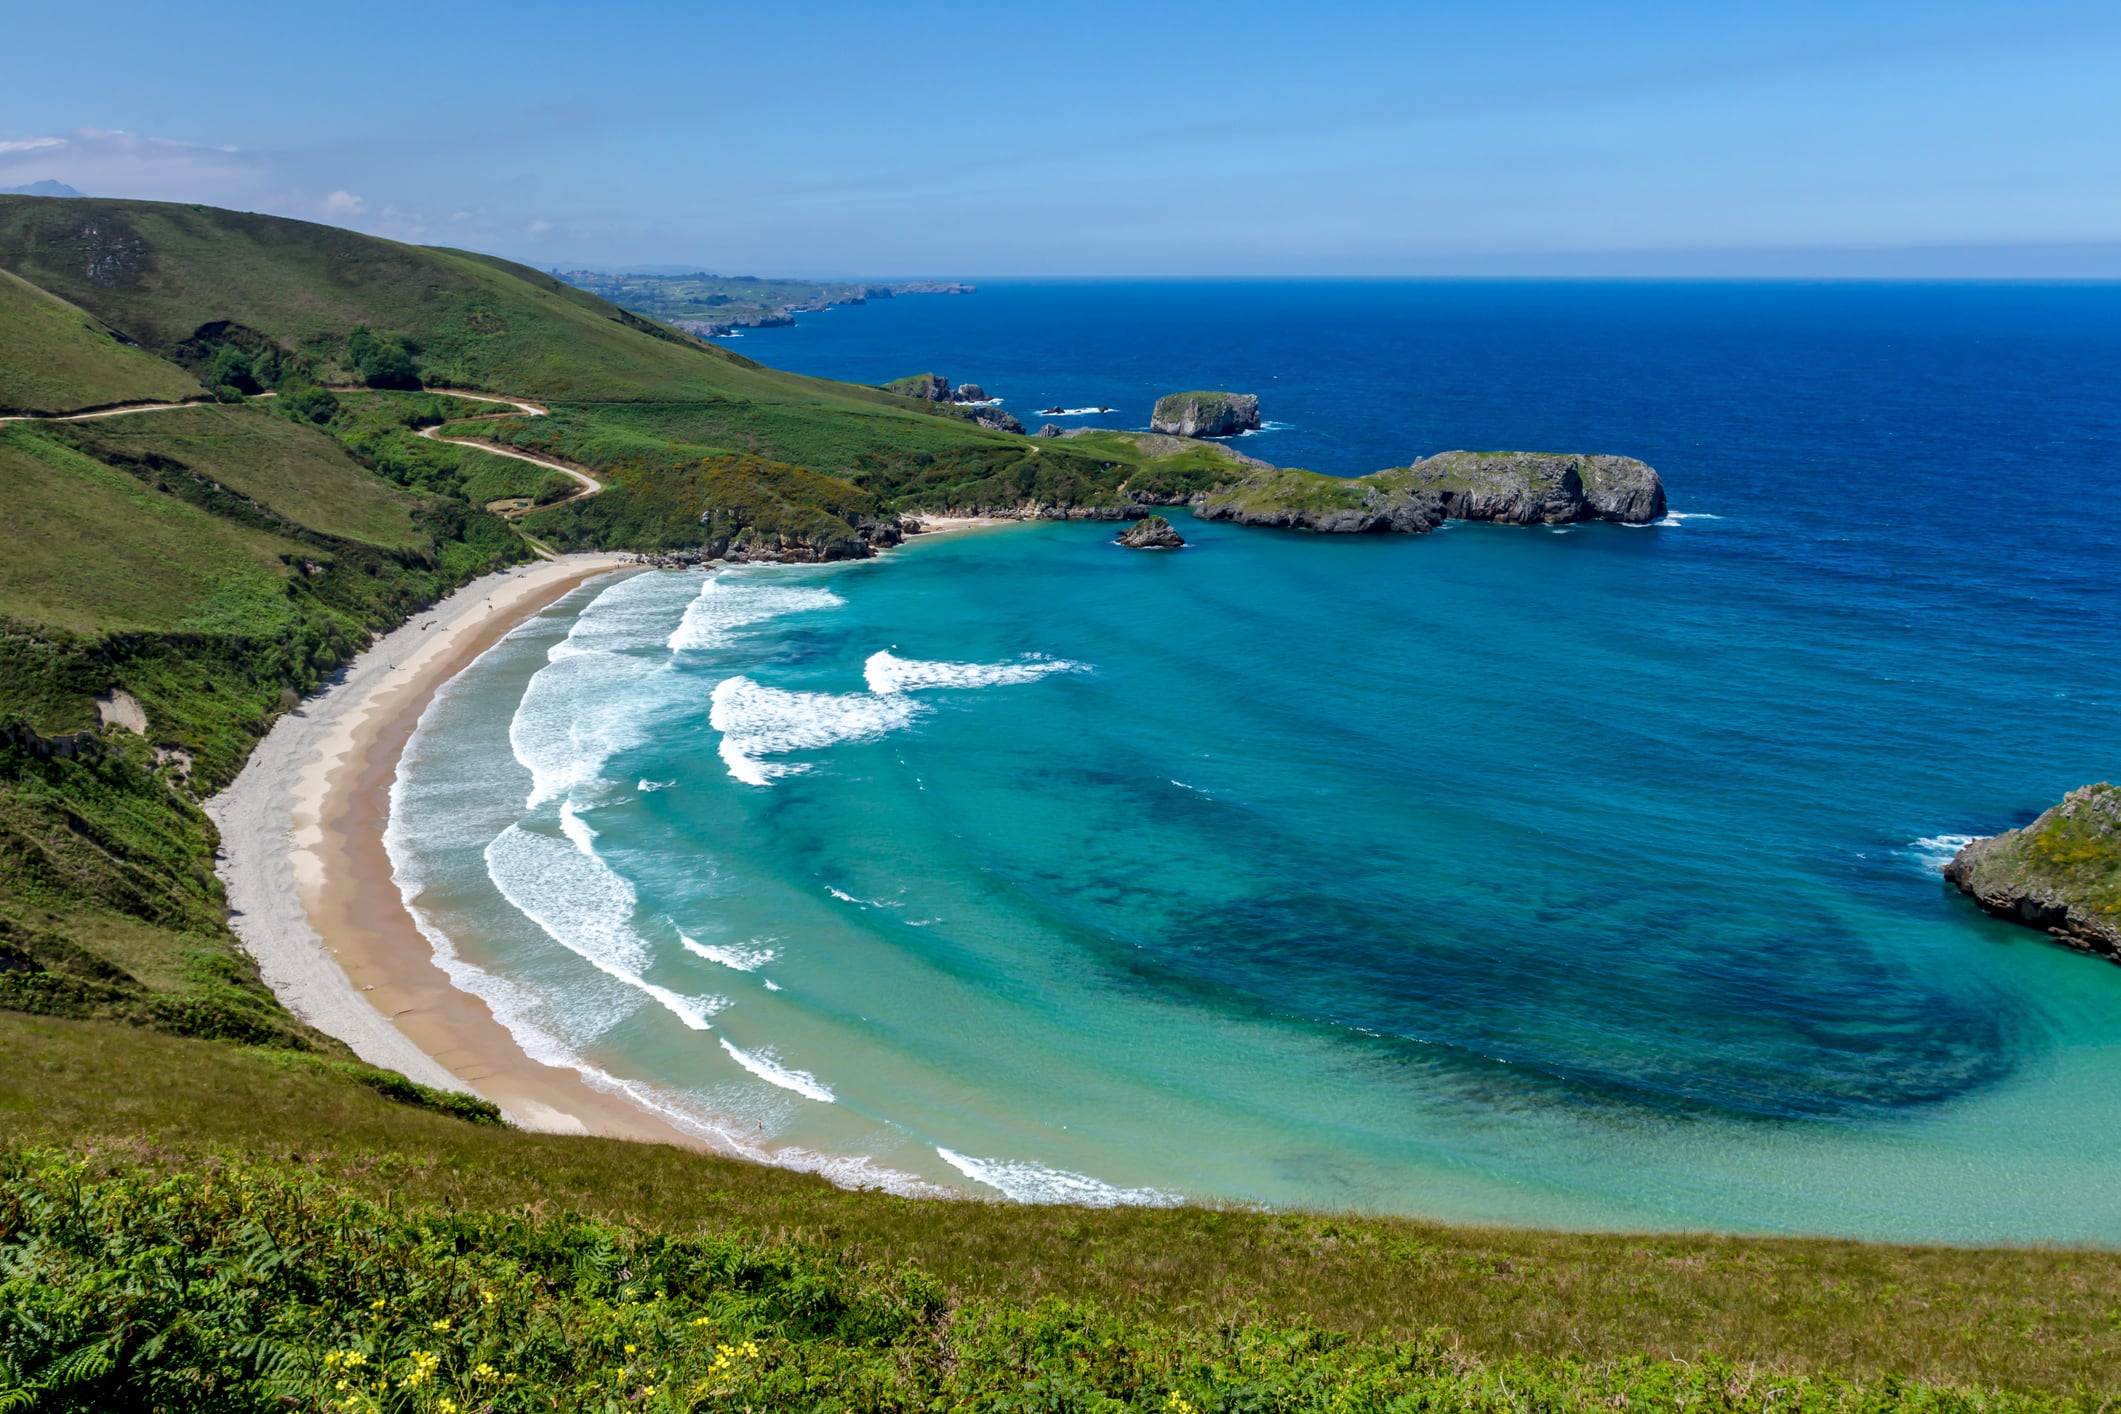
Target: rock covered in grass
[2060,874]
[1511,488]
[1150,533]
[1204,414]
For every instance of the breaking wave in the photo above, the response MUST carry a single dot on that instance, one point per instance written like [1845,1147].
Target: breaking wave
[886,672]
[767,1067]
[758,721]
[726,605]
[738,957]
[1021,1181]
[585,907]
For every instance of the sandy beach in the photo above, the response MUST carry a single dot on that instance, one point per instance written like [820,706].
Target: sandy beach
[310,885]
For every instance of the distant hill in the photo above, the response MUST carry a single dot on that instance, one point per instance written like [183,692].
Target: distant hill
[709,305]
[43,188]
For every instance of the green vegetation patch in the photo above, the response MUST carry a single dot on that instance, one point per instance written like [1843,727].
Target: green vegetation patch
[1290,489]
[2018,1319]
[2071,852]
[294,471]
[95,548]
[241,1288]
[61,359]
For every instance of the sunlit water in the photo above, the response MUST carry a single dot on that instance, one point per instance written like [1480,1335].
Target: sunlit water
[1576,876]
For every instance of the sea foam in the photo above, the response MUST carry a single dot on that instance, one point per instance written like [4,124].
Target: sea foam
[586,907]
[886,672]
[1021,1181]
[1933,852]
[758,721]
[767,1067]
[726,605]
[738,957]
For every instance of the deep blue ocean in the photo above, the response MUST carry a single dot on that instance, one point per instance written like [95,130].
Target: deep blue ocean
[1582,876]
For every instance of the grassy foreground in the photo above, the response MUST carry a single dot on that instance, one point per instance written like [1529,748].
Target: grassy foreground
[1326,1303]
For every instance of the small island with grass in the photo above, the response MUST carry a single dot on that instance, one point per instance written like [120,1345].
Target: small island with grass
[2060,874]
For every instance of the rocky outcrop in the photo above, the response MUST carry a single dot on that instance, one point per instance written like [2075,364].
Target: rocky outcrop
[995,418]
[1150,533]
[1202,414]
[928,387]
[1052,429]
[2060,874]
[1512,488]
[1537,488]
[934,388]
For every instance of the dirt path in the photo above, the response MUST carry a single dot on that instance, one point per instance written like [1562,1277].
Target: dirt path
[125,411]
[588,485]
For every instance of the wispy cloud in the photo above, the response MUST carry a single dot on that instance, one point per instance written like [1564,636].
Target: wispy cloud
[344,203]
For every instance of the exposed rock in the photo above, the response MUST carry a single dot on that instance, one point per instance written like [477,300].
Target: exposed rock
[1202,414]
[929,387]
[1514,488]
[1150,533]
[1052,429]
[120,708]
[969,393]
[1533,488]
[2060,874]
[997,419]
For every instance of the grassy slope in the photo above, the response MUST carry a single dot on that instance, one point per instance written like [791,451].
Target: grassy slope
[78,363]
[2027,1319]
[295,472]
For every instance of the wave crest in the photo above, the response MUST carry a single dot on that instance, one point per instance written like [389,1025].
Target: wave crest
[888,673]
[1021,1181]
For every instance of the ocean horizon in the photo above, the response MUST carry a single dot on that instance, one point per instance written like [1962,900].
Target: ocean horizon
[1575,876]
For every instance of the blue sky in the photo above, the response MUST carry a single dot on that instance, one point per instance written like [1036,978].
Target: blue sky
[1798,138]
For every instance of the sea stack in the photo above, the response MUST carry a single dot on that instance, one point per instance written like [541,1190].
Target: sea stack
[2060,874]
[1150,533]
[1202,414]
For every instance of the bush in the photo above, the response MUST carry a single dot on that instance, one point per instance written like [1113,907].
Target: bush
[382,363]
[304,401]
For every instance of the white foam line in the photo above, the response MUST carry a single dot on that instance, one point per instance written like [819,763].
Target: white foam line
[766,1068]
[591,939]
[887,673]
[749,957]
[577,829]
[1021,1181]
[1936,851]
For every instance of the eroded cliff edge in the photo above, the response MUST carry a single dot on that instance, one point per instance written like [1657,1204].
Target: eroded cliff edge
[2060,874]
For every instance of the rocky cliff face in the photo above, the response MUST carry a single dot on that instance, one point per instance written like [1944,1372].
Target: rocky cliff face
[2060,874]
[1513,488]
[1205,414]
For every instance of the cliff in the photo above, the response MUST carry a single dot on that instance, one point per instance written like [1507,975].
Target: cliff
[1513,488]
[1205,414]
[2060,874]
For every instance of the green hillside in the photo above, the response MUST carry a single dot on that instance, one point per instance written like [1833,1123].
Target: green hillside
[77,362]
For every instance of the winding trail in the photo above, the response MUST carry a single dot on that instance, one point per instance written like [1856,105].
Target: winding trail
[587,485]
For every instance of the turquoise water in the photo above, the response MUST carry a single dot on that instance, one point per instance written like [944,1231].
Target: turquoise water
[1577,877]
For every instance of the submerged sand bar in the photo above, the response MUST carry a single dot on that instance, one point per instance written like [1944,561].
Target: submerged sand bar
[310,885]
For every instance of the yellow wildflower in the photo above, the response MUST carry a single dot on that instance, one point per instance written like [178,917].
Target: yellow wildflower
[484,1371]
[443,1324]
[630,1349]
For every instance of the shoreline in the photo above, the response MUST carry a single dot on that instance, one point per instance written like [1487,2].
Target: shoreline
[313,897]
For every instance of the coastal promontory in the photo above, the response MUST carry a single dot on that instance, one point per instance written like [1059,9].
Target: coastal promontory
[2060,874]
[1512,488]
[1203,414]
